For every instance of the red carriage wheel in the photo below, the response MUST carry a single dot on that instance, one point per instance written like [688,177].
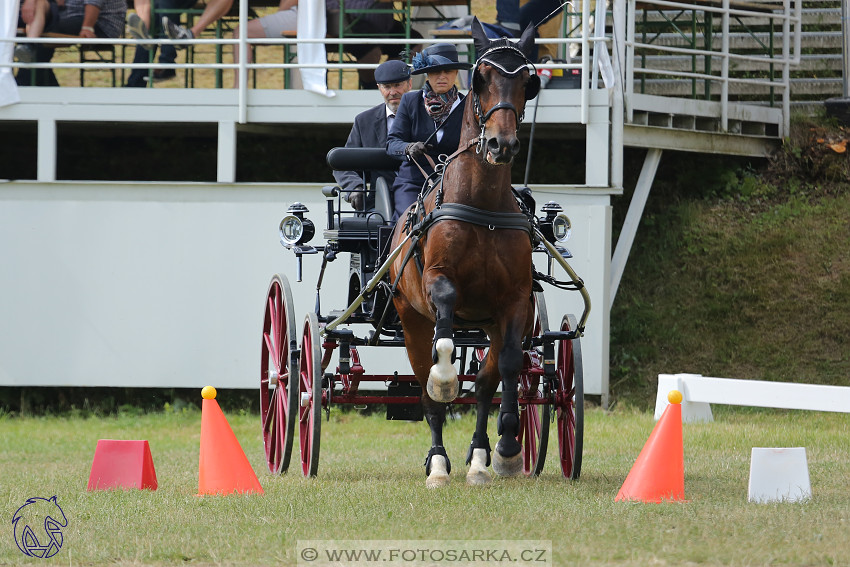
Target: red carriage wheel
[533,427]
[569,401]
[278,375]
[310,395]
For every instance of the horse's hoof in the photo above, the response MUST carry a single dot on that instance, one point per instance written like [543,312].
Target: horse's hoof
[507,466]
[443,385]
[478,474]
[437,480]
[442,391]
[478,478]
[439,474]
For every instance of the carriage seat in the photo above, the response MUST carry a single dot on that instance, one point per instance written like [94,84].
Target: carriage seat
[366,160]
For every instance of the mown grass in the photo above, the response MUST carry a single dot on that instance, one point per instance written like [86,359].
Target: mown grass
[371,486]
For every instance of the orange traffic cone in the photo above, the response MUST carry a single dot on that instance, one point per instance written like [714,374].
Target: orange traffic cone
[223,467]
[658,474]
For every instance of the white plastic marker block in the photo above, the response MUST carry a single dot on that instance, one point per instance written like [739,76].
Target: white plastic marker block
[779,475]
[691,411]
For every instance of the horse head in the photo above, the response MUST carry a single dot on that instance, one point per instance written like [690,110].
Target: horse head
[503,79]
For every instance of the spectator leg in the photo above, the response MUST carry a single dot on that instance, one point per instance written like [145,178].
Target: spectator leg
[213,12]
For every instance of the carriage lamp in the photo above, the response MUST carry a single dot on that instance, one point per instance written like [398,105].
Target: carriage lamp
[555,226]
[294,228]
[562,229]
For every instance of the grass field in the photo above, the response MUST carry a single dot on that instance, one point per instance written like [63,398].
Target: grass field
[371,486]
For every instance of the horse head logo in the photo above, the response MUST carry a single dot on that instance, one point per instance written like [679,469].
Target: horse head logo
[38,527]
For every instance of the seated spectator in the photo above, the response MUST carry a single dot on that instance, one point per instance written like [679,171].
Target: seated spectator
[370,25]
[370,130]
[515,15]
[286,19]
[83,18]
[213,11]
[139,26]
[272,25]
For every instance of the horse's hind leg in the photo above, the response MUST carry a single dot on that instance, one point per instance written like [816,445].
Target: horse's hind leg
[437,464]
[478,457]
[442,380]
[507,460]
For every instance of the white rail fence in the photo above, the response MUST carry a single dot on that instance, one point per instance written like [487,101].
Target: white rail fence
[698,392]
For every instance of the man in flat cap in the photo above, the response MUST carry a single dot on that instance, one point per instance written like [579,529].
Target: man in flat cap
[371,126]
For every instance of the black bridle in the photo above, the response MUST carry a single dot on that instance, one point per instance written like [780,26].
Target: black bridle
[532,88]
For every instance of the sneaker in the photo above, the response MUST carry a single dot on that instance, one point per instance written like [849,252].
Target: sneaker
[176,31]
[25,53]
[138,30]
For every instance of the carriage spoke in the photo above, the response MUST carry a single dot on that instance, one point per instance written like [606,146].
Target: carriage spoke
[269,417]
[274,355]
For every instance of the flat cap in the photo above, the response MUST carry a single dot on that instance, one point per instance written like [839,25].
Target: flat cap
[392,71]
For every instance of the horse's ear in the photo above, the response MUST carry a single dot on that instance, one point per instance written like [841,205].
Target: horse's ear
[526,41]
[479,36]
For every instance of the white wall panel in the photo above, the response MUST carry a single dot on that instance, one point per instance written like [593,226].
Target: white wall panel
[163,285]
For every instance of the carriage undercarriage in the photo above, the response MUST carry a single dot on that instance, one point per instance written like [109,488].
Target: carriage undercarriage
[298,382]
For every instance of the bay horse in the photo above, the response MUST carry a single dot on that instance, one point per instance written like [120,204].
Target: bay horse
[473,262]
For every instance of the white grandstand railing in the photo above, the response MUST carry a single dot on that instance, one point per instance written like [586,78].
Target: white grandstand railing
[244,43]
[243,67]
[788,17]
[624,60]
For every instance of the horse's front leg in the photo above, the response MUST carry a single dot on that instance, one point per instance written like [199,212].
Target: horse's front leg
[508,458]
[443,384]
[417,331]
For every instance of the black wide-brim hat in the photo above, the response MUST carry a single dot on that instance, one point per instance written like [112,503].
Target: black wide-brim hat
[437,57]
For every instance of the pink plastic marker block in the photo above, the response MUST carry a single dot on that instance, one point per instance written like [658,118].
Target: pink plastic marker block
[122,464]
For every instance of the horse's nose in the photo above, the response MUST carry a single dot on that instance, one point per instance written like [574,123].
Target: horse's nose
[503,148]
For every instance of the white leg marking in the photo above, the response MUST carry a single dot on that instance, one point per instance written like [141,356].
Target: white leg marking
[478,468]
[439,474]
[442,380]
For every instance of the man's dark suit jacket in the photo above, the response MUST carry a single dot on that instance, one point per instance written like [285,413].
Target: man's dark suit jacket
[413,124]
[369,131]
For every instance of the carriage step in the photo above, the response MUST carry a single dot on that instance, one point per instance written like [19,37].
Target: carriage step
[405,412]
[552,336]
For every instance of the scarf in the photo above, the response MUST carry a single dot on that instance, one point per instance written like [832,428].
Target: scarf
[438,106]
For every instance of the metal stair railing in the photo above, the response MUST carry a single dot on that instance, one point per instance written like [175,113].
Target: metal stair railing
[786,16]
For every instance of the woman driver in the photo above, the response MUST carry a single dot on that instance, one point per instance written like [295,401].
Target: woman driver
[427,121]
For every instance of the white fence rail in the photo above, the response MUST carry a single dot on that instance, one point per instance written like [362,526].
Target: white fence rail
[700,391]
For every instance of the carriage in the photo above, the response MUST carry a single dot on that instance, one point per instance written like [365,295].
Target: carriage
[310,364]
